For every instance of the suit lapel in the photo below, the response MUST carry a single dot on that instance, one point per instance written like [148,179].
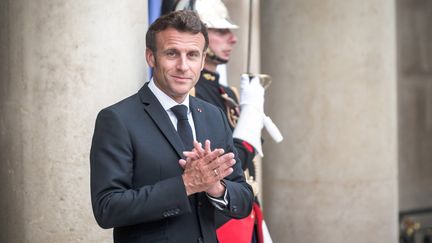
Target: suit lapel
[157,113]
[199,120]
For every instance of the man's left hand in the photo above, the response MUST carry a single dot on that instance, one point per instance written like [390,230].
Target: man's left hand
[217,189]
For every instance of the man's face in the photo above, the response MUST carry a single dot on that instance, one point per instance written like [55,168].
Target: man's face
[221,42]
[177,63]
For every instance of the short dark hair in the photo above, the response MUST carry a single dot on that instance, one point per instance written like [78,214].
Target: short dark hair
[182,21]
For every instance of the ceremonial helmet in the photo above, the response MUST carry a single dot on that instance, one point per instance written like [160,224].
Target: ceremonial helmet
[212,12]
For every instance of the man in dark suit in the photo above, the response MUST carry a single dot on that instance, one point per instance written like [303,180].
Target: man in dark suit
[143,183]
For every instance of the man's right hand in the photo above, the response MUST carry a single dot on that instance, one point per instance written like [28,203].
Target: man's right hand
[204,169]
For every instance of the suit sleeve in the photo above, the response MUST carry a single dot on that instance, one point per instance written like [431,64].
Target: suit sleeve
[240,194]
[115,201]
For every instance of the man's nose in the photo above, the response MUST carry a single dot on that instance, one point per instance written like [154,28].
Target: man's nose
[182,63]
[233,38]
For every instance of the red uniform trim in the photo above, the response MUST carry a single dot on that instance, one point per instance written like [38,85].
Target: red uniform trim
[248,146]
[237,230]
[241,230]
[259,220]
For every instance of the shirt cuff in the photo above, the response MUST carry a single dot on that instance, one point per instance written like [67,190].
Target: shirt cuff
[220,203]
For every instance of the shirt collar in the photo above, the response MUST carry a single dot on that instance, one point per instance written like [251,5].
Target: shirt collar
[166,101]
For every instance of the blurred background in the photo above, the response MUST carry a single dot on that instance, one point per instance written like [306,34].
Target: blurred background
[351,92]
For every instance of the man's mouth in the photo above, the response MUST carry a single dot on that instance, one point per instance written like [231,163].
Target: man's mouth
[227,52]
[181,78]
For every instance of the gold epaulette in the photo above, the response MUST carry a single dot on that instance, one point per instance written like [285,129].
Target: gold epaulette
[209,76]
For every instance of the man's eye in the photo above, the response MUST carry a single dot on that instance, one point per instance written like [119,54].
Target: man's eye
[194,54]
[170,54]
[222,31]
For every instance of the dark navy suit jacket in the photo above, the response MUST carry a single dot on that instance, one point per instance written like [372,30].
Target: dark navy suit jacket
[136,183]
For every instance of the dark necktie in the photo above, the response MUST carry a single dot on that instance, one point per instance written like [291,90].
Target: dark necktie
[183,127]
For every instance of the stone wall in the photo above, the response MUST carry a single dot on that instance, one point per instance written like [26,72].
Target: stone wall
[61,62]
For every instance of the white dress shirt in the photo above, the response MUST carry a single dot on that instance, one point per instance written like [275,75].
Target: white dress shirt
[168,103]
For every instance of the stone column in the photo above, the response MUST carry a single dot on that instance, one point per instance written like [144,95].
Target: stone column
[415,106]
[334,178]
[61,62]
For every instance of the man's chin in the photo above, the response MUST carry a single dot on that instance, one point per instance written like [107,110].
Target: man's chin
[184,90]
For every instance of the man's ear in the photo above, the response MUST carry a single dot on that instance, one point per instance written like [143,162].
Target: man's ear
[150,58]
[203,60]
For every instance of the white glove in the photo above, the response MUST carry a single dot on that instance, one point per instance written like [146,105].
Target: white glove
[251,120]
[252,117]
[251,92]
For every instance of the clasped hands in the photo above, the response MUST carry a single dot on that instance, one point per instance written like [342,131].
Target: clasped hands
[204,169]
